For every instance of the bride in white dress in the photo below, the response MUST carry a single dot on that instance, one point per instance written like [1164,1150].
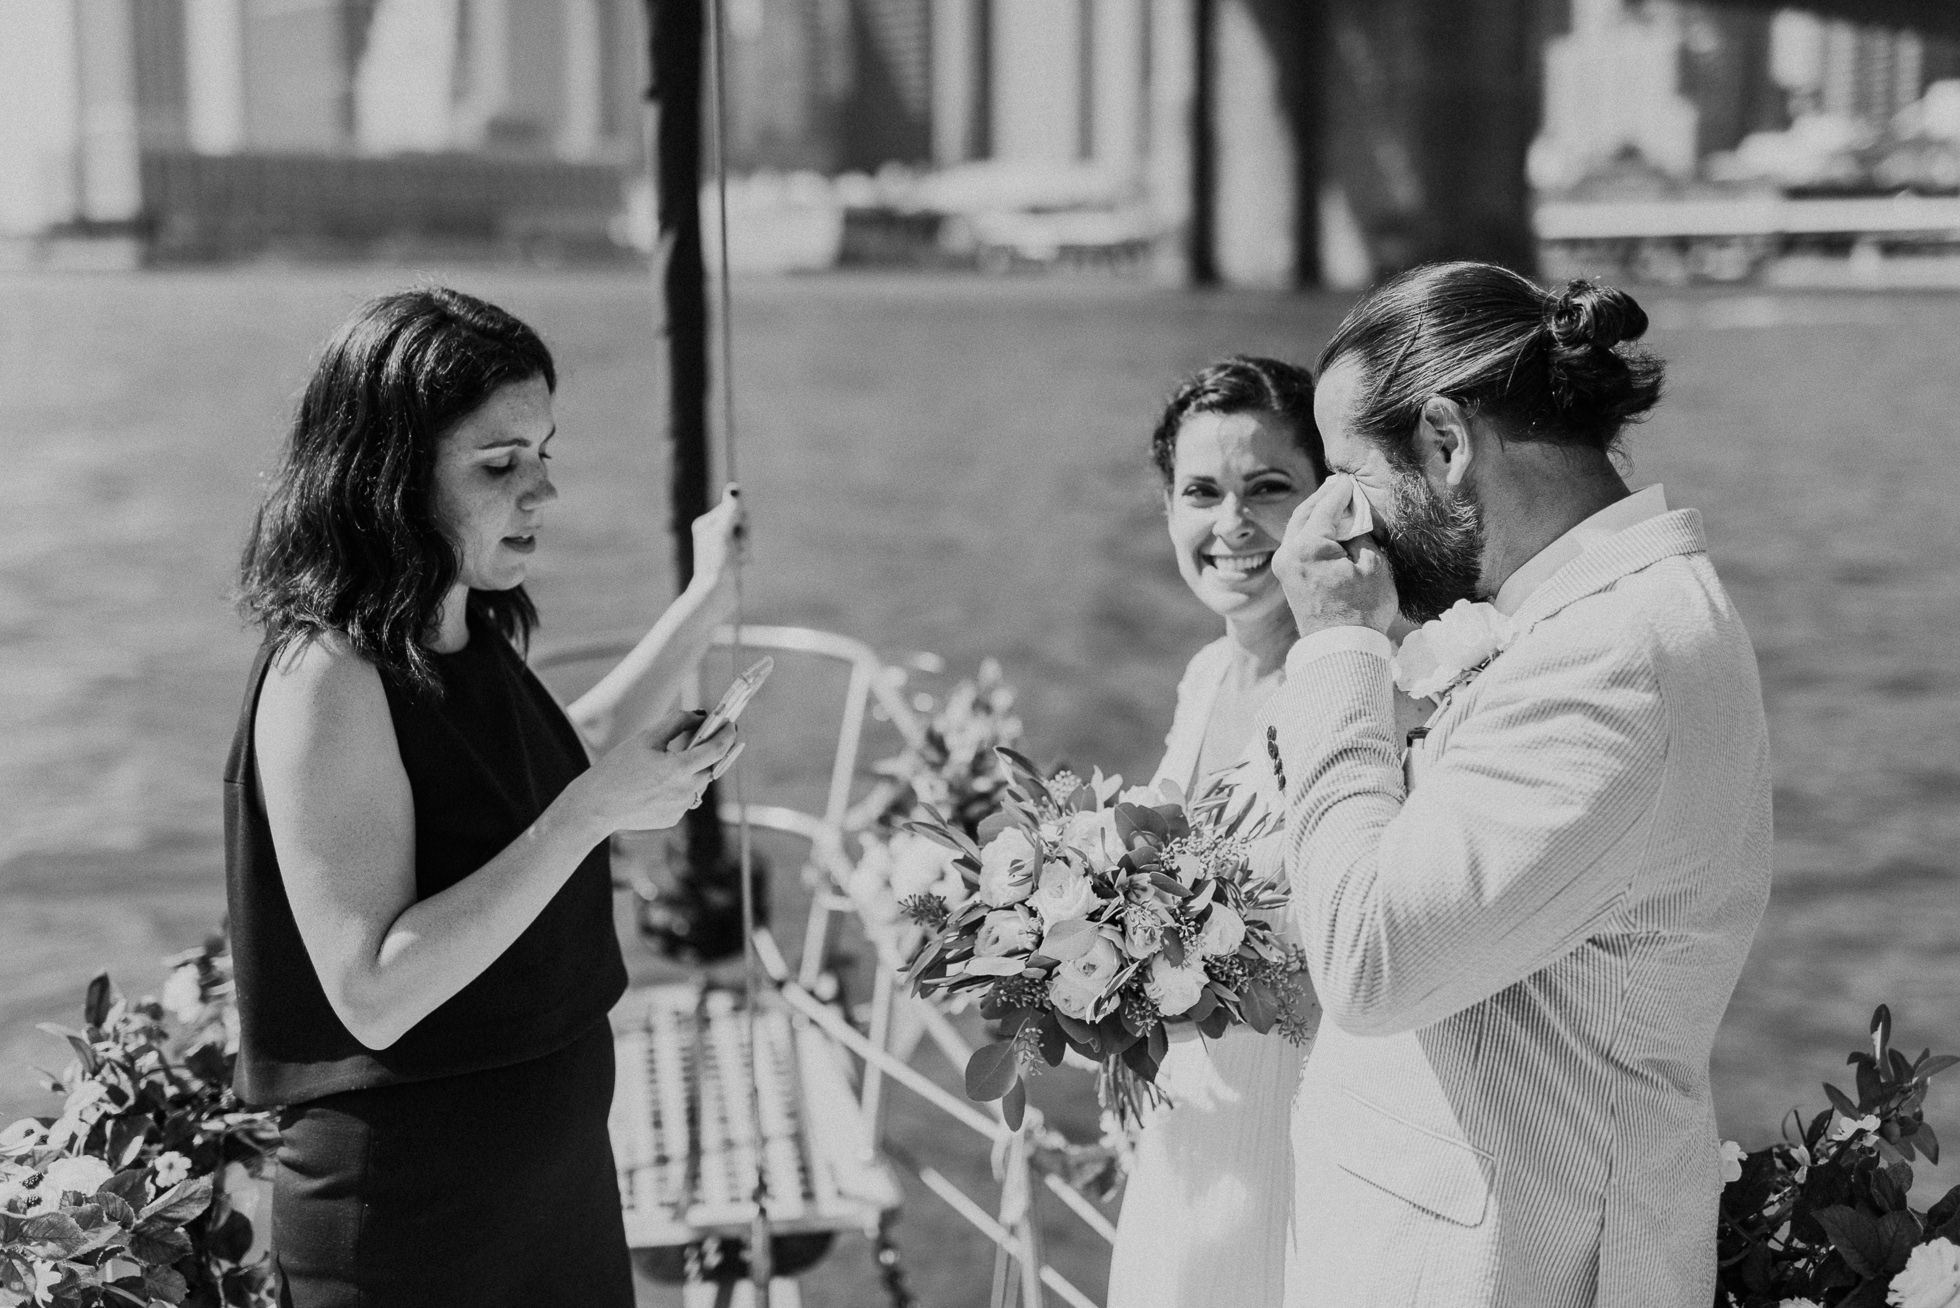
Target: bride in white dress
[1207,1210]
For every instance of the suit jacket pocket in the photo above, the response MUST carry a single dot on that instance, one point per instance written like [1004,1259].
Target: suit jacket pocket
[1446,1177]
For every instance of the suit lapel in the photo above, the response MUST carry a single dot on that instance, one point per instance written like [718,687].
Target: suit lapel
[1605,562]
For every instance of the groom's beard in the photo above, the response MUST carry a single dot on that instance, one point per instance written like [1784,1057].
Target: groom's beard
[1435,547]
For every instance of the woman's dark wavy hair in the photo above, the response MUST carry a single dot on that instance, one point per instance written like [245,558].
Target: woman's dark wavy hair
[1241,384]
[1552,367]
[346,539]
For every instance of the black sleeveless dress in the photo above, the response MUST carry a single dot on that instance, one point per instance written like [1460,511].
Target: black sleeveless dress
[468,1163]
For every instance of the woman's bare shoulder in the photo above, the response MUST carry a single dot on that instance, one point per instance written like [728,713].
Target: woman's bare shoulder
[320,688]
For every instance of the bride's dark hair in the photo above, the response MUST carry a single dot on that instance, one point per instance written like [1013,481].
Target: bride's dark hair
[1242,384]
[346,539]
[1558,367]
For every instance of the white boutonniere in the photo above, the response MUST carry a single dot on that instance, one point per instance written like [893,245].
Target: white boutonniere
[1441,655]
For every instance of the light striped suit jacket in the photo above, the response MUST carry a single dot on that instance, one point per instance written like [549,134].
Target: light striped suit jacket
[1523,956]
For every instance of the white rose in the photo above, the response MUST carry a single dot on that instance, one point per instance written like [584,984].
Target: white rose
[84,1174]
[1094,833]
[1223,932]
[1007,868]
[1174,989]
[1930,1279]
[1063,893]
[1732,1156]
[918,865]
[1799,1303]
[1005,931]
[1080,985]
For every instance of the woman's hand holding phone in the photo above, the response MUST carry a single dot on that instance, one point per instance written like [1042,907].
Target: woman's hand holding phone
[654,777]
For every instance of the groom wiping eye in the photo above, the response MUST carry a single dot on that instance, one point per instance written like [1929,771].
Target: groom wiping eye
[1523,955]
[1434,543]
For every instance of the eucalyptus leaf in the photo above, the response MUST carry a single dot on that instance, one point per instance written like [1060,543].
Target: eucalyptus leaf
[992,825]
[1080,1033]
[1071,939]
[1052,1039]
[1014,1105]
[992,1071]
[1260,1006]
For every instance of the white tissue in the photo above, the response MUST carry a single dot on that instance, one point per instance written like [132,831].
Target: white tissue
[1356,517]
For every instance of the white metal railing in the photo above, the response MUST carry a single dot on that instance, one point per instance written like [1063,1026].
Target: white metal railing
[682,1128]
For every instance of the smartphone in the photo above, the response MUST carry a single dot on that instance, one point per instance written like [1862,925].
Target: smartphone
[734,699]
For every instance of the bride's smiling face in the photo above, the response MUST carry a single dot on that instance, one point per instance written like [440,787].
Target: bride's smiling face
[1235,481]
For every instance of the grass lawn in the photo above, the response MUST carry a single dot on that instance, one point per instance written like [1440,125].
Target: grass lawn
[956,466]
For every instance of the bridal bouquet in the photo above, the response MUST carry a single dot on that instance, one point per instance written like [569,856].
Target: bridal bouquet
[1097,918]
[1822,1218]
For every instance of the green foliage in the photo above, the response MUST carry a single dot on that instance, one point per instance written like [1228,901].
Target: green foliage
[137,1192]
[1824,1214]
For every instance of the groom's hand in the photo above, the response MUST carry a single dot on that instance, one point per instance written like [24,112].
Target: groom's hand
[1329,583]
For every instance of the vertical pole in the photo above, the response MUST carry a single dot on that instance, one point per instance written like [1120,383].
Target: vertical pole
[703,917]
[1201,256]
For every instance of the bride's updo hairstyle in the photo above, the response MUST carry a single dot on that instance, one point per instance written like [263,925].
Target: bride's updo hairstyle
[1556,367]
[1241,384]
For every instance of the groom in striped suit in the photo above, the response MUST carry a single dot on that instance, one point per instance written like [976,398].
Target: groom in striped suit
[1523,922]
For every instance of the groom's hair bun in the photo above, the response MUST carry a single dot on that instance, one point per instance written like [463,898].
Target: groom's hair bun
[1558,367]
[1597,386]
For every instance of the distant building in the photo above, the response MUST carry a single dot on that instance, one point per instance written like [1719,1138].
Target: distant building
[1670,85]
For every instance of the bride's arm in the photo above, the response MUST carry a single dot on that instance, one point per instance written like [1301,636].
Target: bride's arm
[650,679]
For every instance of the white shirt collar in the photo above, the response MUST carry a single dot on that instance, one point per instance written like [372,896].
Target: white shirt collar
[1614,518]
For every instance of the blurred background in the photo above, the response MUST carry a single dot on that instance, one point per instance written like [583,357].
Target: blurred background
[976,242]
[1254,142]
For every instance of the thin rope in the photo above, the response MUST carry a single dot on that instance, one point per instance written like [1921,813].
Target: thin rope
[761,1250]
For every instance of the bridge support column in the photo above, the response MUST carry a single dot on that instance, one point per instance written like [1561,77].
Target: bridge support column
[1339,141]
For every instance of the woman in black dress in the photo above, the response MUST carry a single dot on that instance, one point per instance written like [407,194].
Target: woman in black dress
[416,834]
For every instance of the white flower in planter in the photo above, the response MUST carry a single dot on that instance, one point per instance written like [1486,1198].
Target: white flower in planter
[1732,1156]
[170,1167]
[85,1175]
[1930,1279]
